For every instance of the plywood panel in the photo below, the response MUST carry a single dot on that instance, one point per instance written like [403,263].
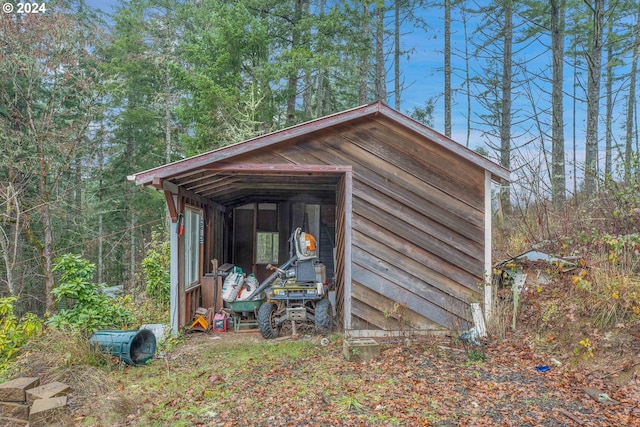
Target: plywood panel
[433,156]
[445,253]
[369,167]
[414,216]
[340,253]
[387,313]
[388,159]
[409,282]
[444,277]
[375,169]
[414,302]
[374,318]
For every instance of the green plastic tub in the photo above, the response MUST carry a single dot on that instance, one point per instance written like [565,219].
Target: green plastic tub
[132,347]
[246,306]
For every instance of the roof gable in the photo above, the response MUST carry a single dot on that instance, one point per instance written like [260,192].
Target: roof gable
[375,109]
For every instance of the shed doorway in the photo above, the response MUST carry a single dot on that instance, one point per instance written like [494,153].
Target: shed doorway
[261,233]
[257,229]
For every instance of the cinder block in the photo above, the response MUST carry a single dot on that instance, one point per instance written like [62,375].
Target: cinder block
[12,422]
[14,390]
[14,410]
[360,349]
[46,391]
[48,412]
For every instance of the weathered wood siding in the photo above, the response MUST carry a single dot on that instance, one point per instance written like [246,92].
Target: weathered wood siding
[417,221]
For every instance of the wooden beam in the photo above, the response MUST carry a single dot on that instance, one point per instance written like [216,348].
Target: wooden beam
[488,273]
[264,141]
[280,169]
[157,183]
[173,212]
[348,208]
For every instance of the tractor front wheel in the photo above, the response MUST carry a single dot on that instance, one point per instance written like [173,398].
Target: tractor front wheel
[323,317]
[267,320]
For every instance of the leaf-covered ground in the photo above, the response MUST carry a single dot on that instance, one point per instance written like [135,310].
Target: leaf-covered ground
[243,380]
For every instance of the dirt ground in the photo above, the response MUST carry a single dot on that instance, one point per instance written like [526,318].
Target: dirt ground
[423,381]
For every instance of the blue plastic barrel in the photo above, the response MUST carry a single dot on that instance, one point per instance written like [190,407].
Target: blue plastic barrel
[132,347]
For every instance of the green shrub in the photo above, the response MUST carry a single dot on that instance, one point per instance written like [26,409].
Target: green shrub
[155,267]
[91,309]
[14,332]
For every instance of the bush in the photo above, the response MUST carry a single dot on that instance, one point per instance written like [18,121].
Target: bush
[91,309]
[14,332]
[155,267]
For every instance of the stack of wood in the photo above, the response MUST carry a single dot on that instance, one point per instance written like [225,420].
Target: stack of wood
[23,401]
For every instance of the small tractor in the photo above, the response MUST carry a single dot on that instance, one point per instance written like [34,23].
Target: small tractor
[296,291]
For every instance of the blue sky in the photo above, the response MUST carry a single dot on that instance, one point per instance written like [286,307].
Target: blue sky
[424,79]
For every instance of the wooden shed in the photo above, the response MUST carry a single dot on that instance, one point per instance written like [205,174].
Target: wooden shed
[402,215]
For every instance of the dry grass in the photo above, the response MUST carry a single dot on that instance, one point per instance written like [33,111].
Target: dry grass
[499,324]
[66,357]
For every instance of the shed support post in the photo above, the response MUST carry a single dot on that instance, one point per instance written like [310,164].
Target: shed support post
[348,206]
[487,246]
[173,272]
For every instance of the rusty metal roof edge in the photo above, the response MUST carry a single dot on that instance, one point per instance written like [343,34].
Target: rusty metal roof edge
[168,170]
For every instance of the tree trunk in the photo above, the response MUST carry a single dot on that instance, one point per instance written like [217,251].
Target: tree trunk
[46,252]
[594,64]
[381,78]
[447,68]
[10,234]
[100,196]
[505,116]
[363,92]
[8,266]
[167,117]
[292,80]
[78,189]
[573,131]
[631,101]
[467,75]
[396,54]
[46,249]
[608,88]
[132,252]
[308,80]
[558,183]
[320,86]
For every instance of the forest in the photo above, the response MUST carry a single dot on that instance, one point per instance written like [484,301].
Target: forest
[87,97]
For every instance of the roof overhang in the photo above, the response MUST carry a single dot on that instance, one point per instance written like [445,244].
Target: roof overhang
[211,175]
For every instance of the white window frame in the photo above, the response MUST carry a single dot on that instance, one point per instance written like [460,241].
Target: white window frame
[193,235]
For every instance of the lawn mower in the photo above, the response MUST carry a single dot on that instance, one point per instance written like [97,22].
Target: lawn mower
[297,291]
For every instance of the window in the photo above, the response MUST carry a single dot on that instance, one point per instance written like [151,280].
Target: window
[193,235]
[267,247]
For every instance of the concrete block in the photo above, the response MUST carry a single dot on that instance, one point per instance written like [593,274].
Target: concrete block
[46,391]
[48,412]
[14,390]
[12,422]
[360,349]
[14,410]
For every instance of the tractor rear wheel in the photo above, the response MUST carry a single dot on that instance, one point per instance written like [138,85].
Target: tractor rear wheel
[323,317]
[267,320]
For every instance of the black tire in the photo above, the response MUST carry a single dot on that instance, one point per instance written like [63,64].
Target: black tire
[267,321]
[323,317]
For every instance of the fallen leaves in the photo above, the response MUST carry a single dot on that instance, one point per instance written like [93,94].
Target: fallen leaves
[434,382]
